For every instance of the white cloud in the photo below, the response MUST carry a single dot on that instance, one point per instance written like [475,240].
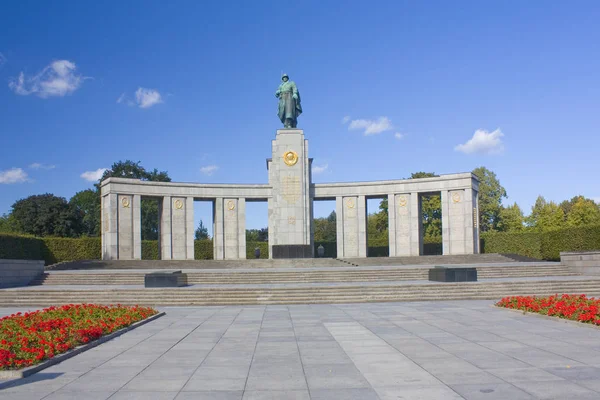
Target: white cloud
[346,119]
[93,176]
[399,135]
[41,166]
[121,98]
[146,98]
[209,169]
[371,127]
[57,79]
[318,169]
[483,142]
[13,175]
[2,60]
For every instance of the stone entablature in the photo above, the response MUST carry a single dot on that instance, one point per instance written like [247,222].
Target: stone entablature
[290,194]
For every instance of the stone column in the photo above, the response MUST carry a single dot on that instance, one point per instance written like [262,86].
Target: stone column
[165,239]
[415,225]
[271,227]
[190,229]
[391,199]
[362,226]
[110,249]
[218,242]
[230,229]
[241,222]
[351,226]
[290,212]
[137,227]
[125,226]
[454,219]
[339,226]
[471,222]
[180,214]
[400,211]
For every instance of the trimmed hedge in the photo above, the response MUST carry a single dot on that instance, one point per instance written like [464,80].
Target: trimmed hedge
[20,247]
[570,239]
[528,244]
[68,249]
[203,249]
[150,250]
[263,246]
[546,246]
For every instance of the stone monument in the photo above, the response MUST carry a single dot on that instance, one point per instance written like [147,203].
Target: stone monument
[290,194]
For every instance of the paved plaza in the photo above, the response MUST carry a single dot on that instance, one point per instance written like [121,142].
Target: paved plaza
[420,350]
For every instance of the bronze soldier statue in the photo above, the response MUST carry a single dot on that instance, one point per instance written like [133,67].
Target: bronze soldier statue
[289,102]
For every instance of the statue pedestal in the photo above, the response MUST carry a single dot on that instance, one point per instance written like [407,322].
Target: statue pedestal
[290,207]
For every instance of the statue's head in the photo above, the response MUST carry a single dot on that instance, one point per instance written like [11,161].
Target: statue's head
[285,77]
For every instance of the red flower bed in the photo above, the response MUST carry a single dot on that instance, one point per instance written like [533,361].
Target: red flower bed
[29,338]
[576,307]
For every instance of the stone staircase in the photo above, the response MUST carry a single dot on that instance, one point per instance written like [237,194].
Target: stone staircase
[321,275]
[298,294]
[305,281]
[282,263]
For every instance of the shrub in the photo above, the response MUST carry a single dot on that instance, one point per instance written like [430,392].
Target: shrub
[570,239]
[150,250]
[263,246]
[527,244]
[67,249]
[203,249]
[21,247]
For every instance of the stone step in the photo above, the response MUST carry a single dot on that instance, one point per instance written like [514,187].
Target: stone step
[74,278]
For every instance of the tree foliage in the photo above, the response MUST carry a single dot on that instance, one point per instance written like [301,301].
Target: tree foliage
[545,216]
[582,212]
[491,193]
[149,209]
[511,219]
[47,215]
[325,228]
[86,204]
[201,232]
[257,235]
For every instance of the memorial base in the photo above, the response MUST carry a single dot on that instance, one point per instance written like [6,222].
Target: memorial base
[164,279]
[292,251]
[450,274]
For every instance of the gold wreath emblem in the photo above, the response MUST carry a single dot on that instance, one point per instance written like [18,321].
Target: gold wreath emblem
[230,205]
[456,197]
[178,204]
[290,158]
[402,201]
[350,203]
[125,202]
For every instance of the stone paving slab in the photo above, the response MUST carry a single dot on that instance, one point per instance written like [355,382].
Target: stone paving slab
[417,350]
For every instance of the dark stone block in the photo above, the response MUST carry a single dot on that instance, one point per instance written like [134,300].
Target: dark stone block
[292,251]
[165,279]
[452,274]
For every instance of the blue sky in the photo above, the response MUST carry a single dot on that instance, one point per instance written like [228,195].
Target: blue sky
[388,88]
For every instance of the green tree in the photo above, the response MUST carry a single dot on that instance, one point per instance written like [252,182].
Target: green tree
[8,224]
[201,232]
[47,215]
[511,219]
[431,211]
[87,204]
[545,216]
[257,235]
[149,209]
[491,193]
[582,212]
[325,228]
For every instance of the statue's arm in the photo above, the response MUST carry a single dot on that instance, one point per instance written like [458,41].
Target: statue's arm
[294,91]
[277,93]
